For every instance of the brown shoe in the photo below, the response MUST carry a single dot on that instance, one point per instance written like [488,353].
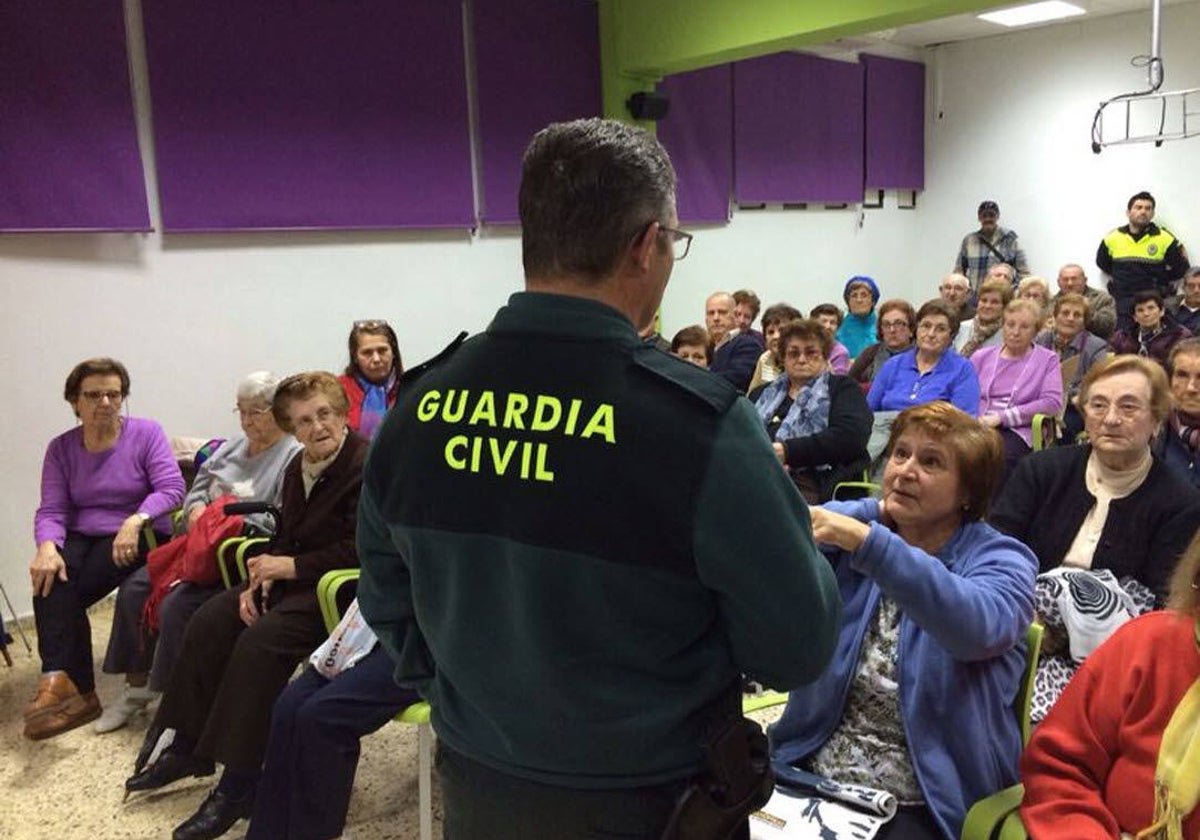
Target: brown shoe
[53,690]
[70,713]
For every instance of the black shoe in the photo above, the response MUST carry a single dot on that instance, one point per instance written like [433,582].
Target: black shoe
[170,767]
[216,815]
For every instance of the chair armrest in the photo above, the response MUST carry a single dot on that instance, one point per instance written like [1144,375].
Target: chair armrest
[243,553]
[866,488]
[986,815]
[755,702]
[327,592]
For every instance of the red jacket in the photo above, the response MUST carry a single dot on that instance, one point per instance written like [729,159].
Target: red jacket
[1089,768]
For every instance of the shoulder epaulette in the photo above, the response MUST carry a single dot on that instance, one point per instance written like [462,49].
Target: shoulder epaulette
[414,373]
[712,390]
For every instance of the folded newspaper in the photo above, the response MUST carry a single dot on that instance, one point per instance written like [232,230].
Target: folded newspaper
[806,806]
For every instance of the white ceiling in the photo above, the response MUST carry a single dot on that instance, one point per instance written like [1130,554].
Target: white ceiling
[968,27]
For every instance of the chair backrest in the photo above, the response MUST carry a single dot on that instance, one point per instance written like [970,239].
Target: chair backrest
[1024,699]
[335,591]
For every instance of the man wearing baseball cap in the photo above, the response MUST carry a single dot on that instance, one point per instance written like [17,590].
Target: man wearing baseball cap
[988,246]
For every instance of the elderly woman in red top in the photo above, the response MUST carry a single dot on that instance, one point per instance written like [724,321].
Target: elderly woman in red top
[1120,751]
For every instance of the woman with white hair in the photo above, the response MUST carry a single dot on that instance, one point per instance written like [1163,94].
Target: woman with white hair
[250,467]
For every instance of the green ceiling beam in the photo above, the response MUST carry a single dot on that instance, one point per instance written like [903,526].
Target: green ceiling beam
[643,40]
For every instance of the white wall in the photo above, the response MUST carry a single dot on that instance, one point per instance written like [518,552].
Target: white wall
[190,314]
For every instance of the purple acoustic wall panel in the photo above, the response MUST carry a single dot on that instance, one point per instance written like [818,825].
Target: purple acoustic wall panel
[68,142]
[798,129]
[895,123]
[698,134]
[537,62]
[309,114]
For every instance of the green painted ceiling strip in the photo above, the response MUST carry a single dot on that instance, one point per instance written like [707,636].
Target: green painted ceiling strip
[647,39]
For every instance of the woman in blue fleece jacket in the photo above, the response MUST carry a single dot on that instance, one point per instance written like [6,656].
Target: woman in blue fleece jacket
[918,698]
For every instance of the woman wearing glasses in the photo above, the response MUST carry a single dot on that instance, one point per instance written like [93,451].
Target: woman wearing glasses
[930,371]
[818,421]
[371,379]
[243,645]
[1108,504]
[101,483]
[1107,520]
[249,466]
[896,328]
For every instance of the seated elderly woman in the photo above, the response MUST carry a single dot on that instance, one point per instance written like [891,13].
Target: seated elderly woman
[1107,504]
[1108,507]
[895,328]
[770,365]
[830,317]
[1179,442]
[250,467]
[1036,289]
[102,481]
[858,327]
[984,329]
[930,371]
[1156,331]
[1077,351]
[917,701]
[1017,380]
[371,379]
[1119,755]
[242,646]
[818,421]
[692,344]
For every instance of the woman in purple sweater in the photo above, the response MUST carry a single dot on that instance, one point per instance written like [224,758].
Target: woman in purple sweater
[101,483]
[1017,379]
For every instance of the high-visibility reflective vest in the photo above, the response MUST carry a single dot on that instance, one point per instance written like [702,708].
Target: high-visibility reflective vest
[1138,264]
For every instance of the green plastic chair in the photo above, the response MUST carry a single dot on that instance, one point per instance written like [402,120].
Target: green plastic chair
[997,817]
[232,555]
[334,594]
[1045,431]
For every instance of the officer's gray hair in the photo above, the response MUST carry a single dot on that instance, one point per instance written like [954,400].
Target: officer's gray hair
[588,189]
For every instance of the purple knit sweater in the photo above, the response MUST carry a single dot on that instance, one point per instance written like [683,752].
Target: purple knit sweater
[1017,389]
[94,492]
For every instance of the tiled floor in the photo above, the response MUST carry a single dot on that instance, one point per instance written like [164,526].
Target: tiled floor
[70,787]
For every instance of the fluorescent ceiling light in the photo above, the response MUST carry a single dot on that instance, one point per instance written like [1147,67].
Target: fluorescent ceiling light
[1033,13]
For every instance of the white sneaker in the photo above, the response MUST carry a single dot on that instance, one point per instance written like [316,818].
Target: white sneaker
[133,701]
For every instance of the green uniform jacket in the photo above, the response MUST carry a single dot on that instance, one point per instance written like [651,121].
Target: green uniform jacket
[573,544]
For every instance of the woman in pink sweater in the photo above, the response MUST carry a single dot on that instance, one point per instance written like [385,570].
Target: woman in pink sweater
[1017,379]
[1093,765]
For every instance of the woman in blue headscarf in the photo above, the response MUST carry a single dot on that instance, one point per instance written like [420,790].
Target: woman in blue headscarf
[857,331]
[371,379]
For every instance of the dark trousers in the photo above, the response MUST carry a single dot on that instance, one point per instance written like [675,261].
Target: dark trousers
[911,823]
[228,676]
[63,630]
[1015,448]
[131,649]
[313,752]
[485,804]
[174,612]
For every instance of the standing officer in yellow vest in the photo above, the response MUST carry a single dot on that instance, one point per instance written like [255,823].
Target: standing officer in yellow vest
[1140,256]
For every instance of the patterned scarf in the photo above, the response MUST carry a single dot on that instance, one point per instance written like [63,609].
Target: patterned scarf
[1177,776]
[980,332]
[809,413]
[1187,426]
[374,404]
[1145,338]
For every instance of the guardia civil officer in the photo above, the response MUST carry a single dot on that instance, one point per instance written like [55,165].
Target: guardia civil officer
[574,544]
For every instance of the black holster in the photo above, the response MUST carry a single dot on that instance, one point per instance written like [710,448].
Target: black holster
[737,781]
